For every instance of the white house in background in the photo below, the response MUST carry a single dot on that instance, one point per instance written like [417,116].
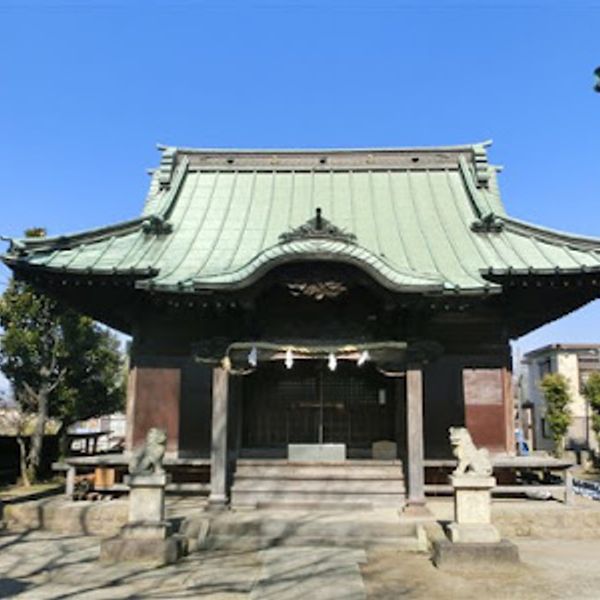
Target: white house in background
[113,427]
[575,362]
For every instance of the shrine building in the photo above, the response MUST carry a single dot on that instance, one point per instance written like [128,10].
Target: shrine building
[319,307]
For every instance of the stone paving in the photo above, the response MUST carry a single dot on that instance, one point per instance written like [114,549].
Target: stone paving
[38,564]
[42,565]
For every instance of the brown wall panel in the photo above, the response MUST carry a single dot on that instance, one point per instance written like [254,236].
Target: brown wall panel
[155,403]
[488,408]
[486,426]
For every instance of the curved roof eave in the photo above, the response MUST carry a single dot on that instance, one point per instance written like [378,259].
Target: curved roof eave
[318,250]
[548,234]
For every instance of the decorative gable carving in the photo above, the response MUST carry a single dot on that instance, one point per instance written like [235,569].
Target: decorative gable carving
[318,228]
[156,225]
[487,224]
[318,290]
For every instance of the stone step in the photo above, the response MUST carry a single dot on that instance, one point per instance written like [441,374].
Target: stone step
[254,543]
[84,517]
[257,462]
[306,472]
[382,466]
[320,505]
[348,486]
[280,482]
[305,525]
[253,498]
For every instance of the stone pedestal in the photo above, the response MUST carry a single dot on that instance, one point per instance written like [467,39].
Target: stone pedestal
[472,510]
[147,499]
[147,535]
[474,541]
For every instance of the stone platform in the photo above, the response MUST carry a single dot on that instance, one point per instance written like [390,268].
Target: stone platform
[239,531]
[463,556]
[154,552]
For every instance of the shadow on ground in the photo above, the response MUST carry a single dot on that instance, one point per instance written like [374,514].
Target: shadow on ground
[11,587]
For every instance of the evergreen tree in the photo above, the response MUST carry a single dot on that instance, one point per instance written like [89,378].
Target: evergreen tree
[59,363]
[555,388]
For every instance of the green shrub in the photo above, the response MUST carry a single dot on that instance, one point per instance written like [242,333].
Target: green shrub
[591,392]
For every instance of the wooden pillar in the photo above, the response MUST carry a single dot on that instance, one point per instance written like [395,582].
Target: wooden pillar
[70,482]
[414,436]
[218,451]
[569,492]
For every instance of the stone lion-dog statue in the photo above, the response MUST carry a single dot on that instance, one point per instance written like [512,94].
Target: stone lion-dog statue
[148,459]
[472,461]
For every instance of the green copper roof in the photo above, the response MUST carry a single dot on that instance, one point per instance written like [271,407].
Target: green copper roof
[416,219]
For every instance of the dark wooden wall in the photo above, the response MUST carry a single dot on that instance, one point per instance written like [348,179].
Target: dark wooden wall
[468,384]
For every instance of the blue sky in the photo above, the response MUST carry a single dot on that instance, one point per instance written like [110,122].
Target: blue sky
[87,89]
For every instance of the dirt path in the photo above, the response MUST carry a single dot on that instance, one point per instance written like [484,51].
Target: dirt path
[549,570]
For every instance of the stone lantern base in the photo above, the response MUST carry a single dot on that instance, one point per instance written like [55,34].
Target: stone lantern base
[472,510]
[474,541]
[147,537]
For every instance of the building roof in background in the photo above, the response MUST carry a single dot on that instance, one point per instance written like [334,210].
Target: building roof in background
[415,219]
[559,347]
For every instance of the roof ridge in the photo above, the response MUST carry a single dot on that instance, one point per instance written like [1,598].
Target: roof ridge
[223,150]
[547,233]
[478,200]
[79,237]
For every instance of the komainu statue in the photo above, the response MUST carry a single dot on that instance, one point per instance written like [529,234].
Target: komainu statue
[471,460]
[148,460]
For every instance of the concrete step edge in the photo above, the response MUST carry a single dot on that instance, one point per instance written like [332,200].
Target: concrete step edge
[311,532]
[265,541]
[348,463]
[319,476]
[301,488]
[367,496]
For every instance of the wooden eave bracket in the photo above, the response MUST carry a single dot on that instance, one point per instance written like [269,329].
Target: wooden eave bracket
[167,166]
[481,165]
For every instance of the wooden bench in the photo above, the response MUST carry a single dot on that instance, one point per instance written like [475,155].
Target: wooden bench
[516,466]
[108,470]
